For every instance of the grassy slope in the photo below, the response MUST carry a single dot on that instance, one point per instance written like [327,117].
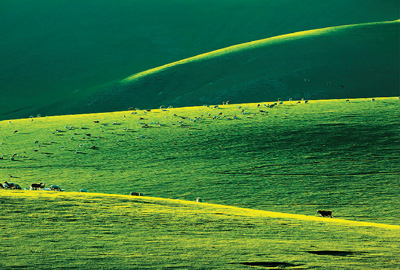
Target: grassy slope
[301,157]
[49,49]
[339,62]
[45,230]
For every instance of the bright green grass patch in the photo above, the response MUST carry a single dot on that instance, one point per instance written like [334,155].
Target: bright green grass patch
[46,230]
[298,158]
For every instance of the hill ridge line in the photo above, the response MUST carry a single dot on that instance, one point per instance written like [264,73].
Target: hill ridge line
[239,211]
[251,45]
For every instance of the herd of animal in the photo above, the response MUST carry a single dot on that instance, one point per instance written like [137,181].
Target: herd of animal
[34,186]
[42,186]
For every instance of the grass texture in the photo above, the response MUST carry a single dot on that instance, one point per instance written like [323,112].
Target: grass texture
[261,172]
[46,230]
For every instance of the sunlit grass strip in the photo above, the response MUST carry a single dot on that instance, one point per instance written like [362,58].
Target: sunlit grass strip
[206,207]
[253,45]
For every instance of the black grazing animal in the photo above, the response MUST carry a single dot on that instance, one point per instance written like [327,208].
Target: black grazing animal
[38,186]
[1,185]
[133,193]
[325,213]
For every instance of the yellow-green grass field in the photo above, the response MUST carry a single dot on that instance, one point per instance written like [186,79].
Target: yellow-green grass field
[261,172]
[69,230]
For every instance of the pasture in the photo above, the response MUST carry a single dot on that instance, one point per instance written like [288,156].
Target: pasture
[69,230]
[272,168]
[295,158]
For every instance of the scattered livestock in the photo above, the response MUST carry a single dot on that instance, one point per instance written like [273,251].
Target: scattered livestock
[37,186]
[82,190]
[325,213]
[54,187]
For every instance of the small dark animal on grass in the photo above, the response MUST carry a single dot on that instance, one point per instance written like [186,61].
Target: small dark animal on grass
[1,185]
[133,193]
[325,213]
[55,188]
[38,186]
[11,185]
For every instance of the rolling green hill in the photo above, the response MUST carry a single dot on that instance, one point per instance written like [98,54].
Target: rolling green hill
[262,174]
[48,49]
[293,158]
[339,62]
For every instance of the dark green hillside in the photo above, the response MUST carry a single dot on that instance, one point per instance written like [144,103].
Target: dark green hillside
[349,61]
[49,49]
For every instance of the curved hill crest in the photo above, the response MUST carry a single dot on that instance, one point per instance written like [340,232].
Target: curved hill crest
[335,62]
[57,53]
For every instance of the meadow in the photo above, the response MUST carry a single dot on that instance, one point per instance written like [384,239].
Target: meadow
[69,230]
[261,172]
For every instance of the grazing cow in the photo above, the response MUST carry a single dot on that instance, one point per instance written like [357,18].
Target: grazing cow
[82,190]
[198,199]
[1,185]
[96,121]
[38,186]
[55,188]
[373,99]
[133,193]
[325,213]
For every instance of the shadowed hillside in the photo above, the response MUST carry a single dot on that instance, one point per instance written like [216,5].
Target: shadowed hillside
[49,49]
[338,62]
